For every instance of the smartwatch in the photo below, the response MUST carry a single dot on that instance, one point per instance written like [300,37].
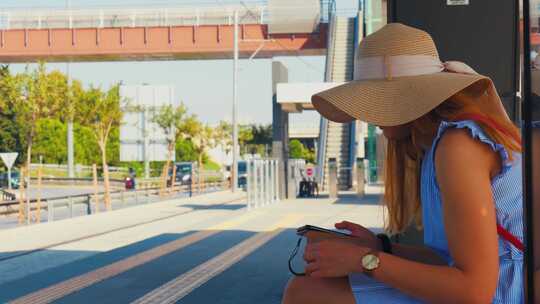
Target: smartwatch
[386,243]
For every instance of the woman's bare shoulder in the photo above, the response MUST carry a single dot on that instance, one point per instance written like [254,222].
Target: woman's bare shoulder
[458,150]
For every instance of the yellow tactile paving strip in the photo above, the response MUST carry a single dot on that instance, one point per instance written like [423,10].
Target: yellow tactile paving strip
[64,288]
[176,289]
[67,287]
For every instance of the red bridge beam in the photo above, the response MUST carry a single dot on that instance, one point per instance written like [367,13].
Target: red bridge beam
[152,43]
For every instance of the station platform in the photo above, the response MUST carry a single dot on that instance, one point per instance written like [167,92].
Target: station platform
[204,249]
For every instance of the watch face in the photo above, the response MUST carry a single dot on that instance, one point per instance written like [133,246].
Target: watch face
[370,262]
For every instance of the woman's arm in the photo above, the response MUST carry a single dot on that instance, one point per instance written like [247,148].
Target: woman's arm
[464,169]
[366,238]
[420,254]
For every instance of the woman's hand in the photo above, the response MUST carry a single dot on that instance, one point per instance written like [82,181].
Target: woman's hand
[367,237]
[333,258]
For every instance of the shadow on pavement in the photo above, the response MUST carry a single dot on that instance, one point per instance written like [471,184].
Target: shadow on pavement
[48,277]
[260,277]
[353,199]
[214,207]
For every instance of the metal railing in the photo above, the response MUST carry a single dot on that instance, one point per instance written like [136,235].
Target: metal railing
[115,182]
[7,196]
[323,129]
[94,203]
[134,17]
[262,182]
[190,14]
[352,126]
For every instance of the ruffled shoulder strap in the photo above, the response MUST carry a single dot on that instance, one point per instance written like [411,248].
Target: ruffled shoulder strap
[476,133]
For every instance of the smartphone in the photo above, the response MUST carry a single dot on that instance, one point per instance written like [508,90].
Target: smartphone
[304,229]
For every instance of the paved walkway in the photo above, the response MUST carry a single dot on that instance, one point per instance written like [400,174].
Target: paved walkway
[205,249]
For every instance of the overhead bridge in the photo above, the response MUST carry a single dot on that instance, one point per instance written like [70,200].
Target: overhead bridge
[156,33]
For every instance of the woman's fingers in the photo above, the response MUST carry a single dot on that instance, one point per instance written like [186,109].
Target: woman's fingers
[344,225]
[310,253]
[348,226]
[311,267]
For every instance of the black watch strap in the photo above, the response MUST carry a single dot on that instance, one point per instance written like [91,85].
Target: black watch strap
[386,243]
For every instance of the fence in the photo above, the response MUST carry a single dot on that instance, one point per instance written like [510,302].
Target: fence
[251,13]
[78,168]
[197,13]
[94,202]
[7,195]
[262,182]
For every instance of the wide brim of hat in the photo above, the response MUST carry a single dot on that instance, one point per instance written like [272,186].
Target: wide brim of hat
[390,102]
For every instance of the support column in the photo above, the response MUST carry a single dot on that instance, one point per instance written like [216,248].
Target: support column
[280,130]
[332,178]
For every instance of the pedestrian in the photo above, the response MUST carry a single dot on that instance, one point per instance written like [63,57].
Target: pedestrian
[453,167]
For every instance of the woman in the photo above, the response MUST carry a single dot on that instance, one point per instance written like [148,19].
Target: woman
[453,166]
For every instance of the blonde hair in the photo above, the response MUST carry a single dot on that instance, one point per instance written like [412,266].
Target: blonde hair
[404,157]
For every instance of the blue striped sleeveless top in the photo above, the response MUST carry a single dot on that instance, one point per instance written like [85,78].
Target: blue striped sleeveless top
[507,193]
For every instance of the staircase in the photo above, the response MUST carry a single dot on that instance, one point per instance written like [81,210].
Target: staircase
[337,146]
[340,64]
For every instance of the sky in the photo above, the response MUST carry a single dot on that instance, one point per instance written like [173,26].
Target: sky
[205,86]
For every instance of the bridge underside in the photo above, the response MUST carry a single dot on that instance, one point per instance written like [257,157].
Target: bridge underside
[153,43]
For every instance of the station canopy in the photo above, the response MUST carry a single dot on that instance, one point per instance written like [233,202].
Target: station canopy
[293,16]
[296,97]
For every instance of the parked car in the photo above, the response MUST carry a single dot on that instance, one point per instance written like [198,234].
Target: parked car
[242,173]
[15,180]
[185,172]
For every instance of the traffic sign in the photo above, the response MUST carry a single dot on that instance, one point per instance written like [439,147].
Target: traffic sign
[9,159]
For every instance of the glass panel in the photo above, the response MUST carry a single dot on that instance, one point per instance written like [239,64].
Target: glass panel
[531,117]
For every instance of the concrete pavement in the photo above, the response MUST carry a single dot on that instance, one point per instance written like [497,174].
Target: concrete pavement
[206,249]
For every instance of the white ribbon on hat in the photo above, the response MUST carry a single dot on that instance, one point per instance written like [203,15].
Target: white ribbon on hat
[387,67]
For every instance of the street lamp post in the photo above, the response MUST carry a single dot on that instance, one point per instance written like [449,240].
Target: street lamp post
[70,142]
[234,168]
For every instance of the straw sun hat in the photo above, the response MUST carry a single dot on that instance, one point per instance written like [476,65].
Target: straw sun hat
[398,78]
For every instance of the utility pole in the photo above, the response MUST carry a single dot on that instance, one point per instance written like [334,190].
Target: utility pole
[70,143]
[234,167]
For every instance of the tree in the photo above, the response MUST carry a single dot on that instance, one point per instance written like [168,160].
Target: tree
[298,150]
[9,135]
[204,138]
[171,121]
[5,93]
[82,102]
[262,134]
[50,141]
[245,135]
[262,139]
[223,136]
[10,139]
[186,151]
[33,96]
[87,150]
[104,114]
[175,124]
